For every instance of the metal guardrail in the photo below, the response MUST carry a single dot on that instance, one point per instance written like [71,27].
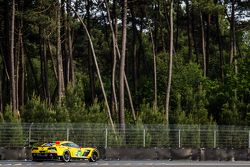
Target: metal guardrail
[174,136]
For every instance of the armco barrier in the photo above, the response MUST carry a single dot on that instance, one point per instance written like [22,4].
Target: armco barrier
[147,154]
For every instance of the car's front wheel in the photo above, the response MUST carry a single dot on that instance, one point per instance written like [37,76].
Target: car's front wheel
[93,157]
[66,156]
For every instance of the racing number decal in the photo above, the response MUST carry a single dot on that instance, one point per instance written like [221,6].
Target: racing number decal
[79,153]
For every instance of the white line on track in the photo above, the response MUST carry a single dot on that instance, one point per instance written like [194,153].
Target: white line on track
[61,164]
[128,164]
[75,164]
[203,164]
[104,164]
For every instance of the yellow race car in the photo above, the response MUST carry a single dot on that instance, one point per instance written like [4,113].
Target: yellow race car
[63,150]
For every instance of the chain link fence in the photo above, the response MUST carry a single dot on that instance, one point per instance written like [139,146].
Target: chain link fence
[139,136]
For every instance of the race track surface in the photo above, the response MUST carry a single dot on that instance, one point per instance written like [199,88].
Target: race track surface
[127,163]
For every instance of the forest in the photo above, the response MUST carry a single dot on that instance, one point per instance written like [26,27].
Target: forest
[125,62]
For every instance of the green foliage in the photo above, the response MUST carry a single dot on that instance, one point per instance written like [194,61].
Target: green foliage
[148,115]
[78,111]
[229,101]
[8,115]
[72,110]
[97,113]
[229,115]
[158,136]
[74,103]
[61,114]
[190,96]
[209,6]
[188,134]
[37,110]
[115,140]
[13,135]
[1,118]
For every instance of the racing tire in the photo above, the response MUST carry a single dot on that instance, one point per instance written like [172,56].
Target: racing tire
[93,157]
[66,156]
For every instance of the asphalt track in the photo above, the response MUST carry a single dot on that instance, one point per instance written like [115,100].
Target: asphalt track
[127,163]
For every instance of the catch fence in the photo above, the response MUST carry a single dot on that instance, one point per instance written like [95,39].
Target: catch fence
[102,135]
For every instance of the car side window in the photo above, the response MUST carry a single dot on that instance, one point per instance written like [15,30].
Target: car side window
[73,145]
[66,144]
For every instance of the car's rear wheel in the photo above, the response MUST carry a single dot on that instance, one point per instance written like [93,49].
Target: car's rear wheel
[93,157]
[66,156]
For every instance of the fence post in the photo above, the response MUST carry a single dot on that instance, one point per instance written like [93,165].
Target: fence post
[249,139]
[67,134]
[179,137]
[106,138]
[30,133]
[199,136]
[144,137]
[214,138]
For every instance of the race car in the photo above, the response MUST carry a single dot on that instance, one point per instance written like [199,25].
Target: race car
[65,151]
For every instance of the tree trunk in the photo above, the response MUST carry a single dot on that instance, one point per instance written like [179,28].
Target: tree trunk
[46,80]
[189,31]
[233,47]
[122,68]
[90,58]
[98,71]
[12,60]
[170,62]
[208,43]
[64,46]
[220,48]
[21,59]
[155,106]
[135,58]
[114,30]
[59,57]
[17,56]
[44,67]
[203,45]
[70,65]
[232,34]
[33,72]
[54,65]
[119,56]
[1,96]
[42,94]
[177,25]
[193,36]
[6,40]
[1,80]
[52,60]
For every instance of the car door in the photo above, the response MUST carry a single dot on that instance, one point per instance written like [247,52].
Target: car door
[68,147]
[75,150]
